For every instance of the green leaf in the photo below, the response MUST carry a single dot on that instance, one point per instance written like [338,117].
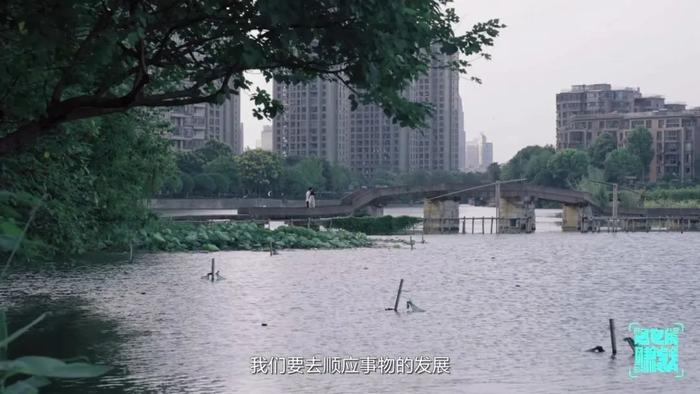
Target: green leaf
[52,368]
[210,248]
[27,386]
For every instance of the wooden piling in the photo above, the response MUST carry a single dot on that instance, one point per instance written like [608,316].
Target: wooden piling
[492,225]
[271,249]
[212,269]
[483,219]
[422,238]
[131,252]
[464,225]
[410,240]
[398,295]
[472,225]
[612,337]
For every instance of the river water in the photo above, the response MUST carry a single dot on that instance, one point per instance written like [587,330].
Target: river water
[514,314]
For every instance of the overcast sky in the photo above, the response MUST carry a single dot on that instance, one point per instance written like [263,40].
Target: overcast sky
[552,44]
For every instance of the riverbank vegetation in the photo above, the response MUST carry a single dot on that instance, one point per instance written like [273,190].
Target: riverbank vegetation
[176,236]
[90,183]
[384,225]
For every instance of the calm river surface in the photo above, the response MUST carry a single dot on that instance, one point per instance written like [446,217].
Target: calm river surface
[512,312]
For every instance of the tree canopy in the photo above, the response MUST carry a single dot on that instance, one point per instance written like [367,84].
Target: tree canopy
[69,60]
[620,164]
[603,145]
[568,166]
[516,167]
[640,143]
[259,170]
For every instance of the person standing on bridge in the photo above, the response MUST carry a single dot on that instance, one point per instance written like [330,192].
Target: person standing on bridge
[312,198]
[308,195]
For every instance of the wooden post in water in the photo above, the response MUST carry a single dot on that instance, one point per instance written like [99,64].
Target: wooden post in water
[472,224]
[212,269]
[491,225]
[271,249]
[131,251]
[422,238]
[464,225]
[398,295]
[410,240]
[612,337]
[483,219]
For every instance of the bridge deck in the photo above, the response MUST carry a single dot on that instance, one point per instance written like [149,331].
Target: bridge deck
[359,199]
[355,201]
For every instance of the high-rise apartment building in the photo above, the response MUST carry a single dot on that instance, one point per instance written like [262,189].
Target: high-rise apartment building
[315,121]
[462,149]
[479,154]
[675,130]
[437,147]
[473,153]
[588,100]
[486,153]
[376,143]
[194,124]
[266,139]
[366,139]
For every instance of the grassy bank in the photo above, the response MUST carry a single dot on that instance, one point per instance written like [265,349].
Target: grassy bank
[666,203]
[174,236]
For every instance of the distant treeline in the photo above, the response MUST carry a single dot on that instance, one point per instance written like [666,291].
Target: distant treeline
[214,171]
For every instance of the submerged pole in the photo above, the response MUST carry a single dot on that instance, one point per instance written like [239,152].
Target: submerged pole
[410,240]
[398,295]
[612,337]
[131,251]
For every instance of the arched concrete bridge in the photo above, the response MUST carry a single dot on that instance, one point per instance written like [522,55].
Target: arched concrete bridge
[516,199]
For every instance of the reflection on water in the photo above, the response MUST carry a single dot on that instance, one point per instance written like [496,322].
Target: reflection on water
[513,312]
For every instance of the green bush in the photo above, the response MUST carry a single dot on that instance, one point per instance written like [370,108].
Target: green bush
[384,225]
[187,183]
[172,185]
[204,184]
[221,183]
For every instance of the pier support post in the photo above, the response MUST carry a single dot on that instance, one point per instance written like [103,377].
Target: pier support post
[441,216]
[517,215]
